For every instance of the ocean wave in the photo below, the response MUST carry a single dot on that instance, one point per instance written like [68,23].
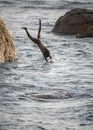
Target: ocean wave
[46,4]
[70,5]
[40,2]
[59,6]
[6,2]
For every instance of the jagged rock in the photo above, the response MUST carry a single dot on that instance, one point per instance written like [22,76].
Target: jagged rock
[77,22]
[7,48]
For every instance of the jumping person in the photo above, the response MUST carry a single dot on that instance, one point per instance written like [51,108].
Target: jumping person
[37,41]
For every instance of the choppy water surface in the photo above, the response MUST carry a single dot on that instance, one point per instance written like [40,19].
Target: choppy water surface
[35,95]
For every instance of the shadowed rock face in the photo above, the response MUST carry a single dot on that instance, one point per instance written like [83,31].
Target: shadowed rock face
[7,48]
[77,22]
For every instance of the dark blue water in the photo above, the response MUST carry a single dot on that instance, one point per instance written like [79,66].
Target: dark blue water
[35,95]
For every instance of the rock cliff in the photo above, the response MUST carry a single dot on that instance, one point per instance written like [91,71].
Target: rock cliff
[7,48]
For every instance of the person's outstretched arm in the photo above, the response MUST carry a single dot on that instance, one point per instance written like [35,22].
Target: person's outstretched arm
[32,38]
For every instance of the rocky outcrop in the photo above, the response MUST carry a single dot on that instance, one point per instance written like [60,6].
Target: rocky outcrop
[7,48]
[77,22]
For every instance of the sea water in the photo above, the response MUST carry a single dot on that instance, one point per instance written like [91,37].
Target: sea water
[35,95]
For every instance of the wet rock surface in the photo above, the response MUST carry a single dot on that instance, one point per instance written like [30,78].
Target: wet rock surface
[77,22]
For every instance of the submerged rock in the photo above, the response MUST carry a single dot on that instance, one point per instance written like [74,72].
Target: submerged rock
[77,22]
[50,96]
[7,48]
